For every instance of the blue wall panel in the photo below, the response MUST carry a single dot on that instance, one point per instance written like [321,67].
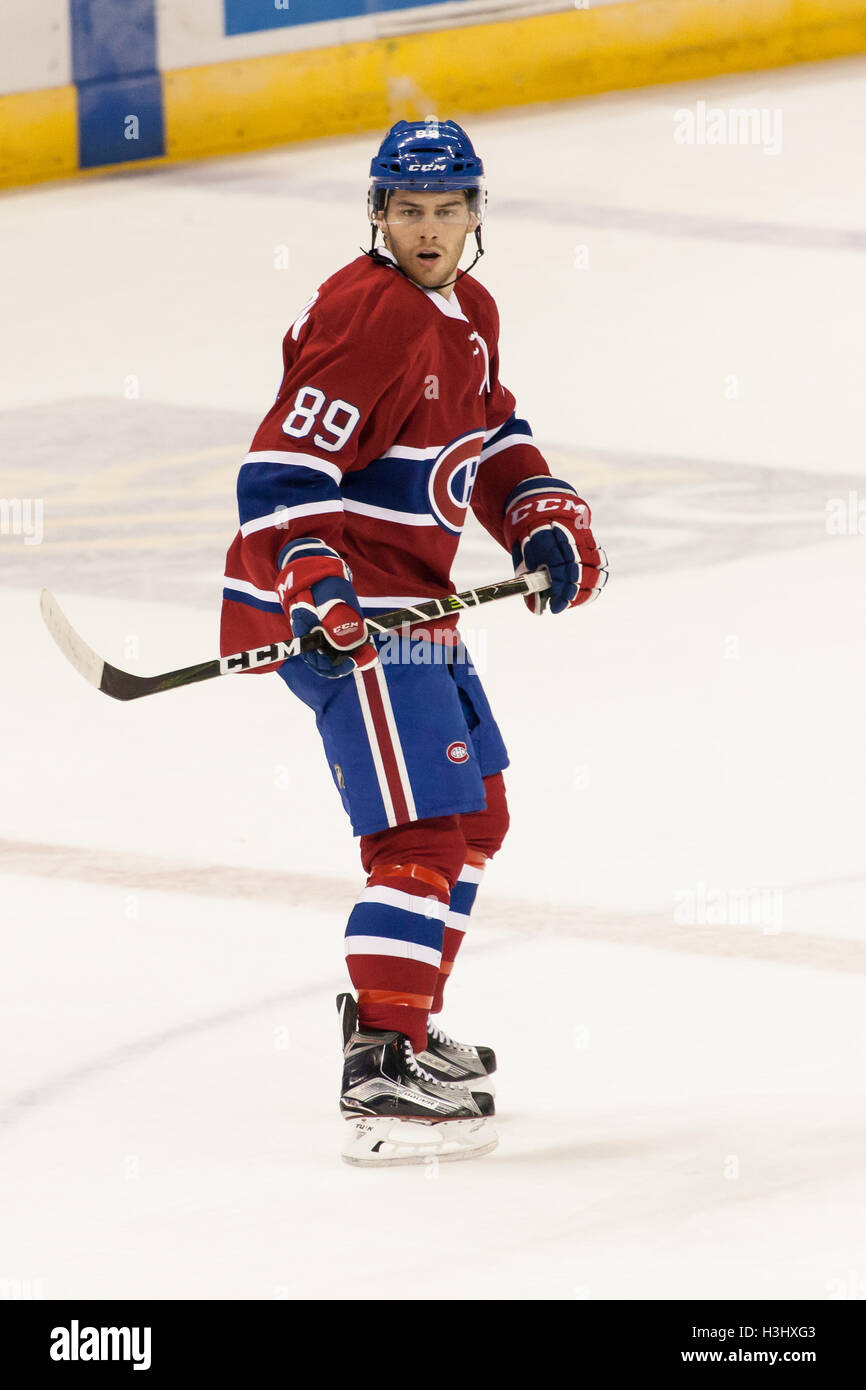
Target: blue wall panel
[112,37]
[247,16]
[106,132]
[120,110]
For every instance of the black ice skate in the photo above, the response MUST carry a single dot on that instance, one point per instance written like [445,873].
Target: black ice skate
[398,1112]
[448,1060]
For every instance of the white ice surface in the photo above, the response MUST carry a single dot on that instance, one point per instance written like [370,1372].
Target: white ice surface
[681,1106]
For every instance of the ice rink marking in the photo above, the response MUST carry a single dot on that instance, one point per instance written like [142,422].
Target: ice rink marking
[652,930]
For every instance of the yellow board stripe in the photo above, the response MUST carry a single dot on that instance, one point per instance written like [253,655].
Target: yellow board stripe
[367,86]
[225,107]
[229,107]
[38,135]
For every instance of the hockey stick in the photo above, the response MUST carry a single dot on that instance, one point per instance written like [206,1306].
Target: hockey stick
[122,685]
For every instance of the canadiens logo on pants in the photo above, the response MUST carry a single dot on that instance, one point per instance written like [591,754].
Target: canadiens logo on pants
[457,752]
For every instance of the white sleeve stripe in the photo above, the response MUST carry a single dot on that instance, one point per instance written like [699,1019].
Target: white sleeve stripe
[244,586]
[490,449]
[292,456]
[410,453]
[491,434]
[284,514]
[386,514]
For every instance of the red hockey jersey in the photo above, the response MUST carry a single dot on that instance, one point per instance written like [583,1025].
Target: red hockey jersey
[390,422]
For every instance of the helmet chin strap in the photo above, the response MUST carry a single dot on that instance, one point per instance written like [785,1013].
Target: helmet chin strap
[376,255]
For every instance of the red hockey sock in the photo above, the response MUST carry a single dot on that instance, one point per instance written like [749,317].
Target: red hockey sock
[393,948]
[457,920]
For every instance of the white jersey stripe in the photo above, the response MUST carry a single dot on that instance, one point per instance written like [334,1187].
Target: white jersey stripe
[293,456]
[389,946]
[244,586]
[410,454]
[387,514]
[284,514]
[490,449]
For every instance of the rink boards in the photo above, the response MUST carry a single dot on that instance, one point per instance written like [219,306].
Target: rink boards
[89,85]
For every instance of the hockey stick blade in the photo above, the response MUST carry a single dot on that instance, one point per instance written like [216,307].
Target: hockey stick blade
[123,685]
[73,647]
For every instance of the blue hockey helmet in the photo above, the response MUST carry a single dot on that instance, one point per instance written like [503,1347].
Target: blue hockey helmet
[432,156]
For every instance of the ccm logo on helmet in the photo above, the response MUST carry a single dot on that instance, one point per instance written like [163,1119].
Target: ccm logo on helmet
[457,752]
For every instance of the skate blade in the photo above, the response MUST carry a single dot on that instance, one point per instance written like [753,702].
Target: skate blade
[387,1143]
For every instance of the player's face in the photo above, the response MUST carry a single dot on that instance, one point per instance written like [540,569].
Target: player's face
[426,232]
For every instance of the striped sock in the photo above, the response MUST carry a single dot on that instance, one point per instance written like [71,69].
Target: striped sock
[394,946]
[457,920]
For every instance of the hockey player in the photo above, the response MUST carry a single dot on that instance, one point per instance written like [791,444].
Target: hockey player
[390,422]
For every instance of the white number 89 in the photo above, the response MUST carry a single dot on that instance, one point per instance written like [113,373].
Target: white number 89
[308,403]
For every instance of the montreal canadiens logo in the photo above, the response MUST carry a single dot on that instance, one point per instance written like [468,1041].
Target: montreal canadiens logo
[452,478]
[457,752]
